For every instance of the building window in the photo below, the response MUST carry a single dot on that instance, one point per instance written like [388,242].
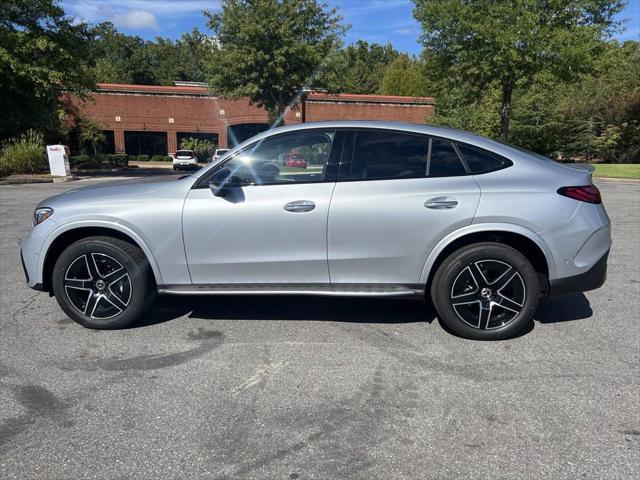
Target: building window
[239,133]
[145,143]
[109,145]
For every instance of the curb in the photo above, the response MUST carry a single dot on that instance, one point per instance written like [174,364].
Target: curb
[24,181]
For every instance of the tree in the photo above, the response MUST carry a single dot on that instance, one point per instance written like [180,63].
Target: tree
[486,42]
[202,148]
[183,59]
[91,134]
[43,53]
[121,58]
[403,76]
[270,49]
[358,68]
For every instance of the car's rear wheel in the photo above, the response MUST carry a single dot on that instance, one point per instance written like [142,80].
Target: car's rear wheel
[486,291]
[103,282]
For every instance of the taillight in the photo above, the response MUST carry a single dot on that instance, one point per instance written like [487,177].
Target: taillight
[585,193]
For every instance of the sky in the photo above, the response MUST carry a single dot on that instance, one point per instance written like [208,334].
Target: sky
[378,21]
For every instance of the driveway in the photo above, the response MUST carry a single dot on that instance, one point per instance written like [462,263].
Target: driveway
[297,388]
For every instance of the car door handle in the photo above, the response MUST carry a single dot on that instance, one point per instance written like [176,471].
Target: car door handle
[300,206]
[440,203]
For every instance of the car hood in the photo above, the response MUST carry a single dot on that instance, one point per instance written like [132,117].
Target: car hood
[134,187]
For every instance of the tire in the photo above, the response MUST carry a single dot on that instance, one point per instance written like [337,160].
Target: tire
[103,282]
[486,291]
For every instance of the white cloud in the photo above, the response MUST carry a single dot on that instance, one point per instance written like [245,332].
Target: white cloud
[135,19]
[101,10]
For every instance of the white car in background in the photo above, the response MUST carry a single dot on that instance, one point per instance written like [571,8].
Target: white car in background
[218,153]
[185,159]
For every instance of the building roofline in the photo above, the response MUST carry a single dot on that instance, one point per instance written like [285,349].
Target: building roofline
[153,89]
[200,90]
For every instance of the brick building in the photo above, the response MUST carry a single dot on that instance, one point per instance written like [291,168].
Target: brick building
[154,119]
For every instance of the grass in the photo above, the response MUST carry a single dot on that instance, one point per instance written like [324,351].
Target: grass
[612,170]
[308,170]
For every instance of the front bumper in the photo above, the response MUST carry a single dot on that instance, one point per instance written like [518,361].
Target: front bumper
[589,280]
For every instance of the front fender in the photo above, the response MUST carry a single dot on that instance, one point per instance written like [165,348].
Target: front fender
[104,222]
[486,227]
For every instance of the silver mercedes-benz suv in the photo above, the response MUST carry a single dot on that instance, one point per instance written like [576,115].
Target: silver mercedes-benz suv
[335,208]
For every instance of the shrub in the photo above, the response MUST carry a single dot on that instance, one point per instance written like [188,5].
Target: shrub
[167,158]
[24,154]
[121,159]
[157,158]
[142,158]
[92,164]
[76,160]
[202,148]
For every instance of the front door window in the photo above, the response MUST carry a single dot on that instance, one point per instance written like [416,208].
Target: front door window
[295,158]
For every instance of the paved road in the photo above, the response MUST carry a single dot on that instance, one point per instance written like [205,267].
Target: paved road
[319,388]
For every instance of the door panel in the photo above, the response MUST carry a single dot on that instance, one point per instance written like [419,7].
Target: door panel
[249,236]
[380,231]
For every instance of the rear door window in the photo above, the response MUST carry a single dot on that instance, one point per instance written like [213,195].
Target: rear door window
[388,155]
[444,161]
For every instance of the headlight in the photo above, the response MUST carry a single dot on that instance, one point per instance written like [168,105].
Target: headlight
[41,214]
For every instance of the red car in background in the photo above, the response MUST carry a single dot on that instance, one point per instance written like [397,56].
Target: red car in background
[295,160]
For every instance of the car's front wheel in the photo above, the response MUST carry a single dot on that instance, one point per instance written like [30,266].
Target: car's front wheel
[103,282]
[486,291]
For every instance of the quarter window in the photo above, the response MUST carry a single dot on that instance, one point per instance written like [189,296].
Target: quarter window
[385,155]
[482,161]
[295,158]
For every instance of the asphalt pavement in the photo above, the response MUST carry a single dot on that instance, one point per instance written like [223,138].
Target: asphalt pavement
[322,388]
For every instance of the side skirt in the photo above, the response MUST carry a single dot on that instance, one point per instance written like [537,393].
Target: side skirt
[334,289]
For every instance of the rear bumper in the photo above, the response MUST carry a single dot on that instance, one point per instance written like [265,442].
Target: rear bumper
[589,280]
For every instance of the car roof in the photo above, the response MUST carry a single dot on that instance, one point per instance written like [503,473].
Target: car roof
[453,134]
[433,130]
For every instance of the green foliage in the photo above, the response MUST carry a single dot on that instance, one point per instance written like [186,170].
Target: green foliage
[142,158]
[76,160]
[91,134]
[167,158]
[269,49]
[506,44]
[43,53]
[358,68]
[124,58]
[24,154]
[403,76]
[120,58]
[120,159]
[202,148]
[157,158]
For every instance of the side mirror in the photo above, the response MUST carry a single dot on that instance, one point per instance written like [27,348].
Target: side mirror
[221,181]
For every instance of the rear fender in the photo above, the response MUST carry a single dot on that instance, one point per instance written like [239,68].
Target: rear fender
[486,227]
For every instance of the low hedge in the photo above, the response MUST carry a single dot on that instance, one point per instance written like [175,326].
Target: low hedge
[157,158]
[142,158]
[109,160]
[75,160]
[167,158]
[121,159]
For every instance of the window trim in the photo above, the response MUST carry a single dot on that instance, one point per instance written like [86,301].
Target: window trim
[330,173]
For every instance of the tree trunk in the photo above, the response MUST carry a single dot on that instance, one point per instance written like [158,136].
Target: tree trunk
[505,112]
